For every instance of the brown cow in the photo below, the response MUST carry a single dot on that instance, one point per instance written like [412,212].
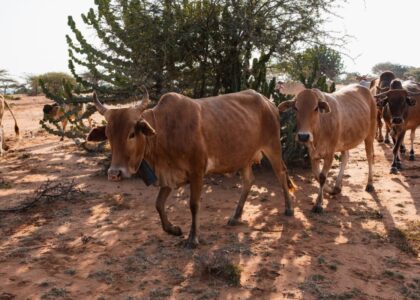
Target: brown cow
[4,104]
[378,86]
[184,139]
[401,111]
[329,123]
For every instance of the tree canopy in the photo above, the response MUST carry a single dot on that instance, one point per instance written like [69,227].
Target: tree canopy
[198,47]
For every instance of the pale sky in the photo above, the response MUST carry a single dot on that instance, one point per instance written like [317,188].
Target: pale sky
[33,32]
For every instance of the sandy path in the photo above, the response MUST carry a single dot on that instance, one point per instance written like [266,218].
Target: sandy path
[109,242]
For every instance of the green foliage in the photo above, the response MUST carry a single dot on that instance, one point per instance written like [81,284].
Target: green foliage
[397,69]
[308,66]
[53,81]
[198,47]
[413,72]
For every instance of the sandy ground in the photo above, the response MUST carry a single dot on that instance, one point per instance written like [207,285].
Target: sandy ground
[107,243]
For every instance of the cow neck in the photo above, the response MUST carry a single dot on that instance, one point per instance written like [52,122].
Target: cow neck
[149,116]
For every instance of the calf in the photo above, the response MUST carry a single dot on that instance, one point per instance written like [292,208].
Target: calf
[3,104]
[330,123]
[402,113]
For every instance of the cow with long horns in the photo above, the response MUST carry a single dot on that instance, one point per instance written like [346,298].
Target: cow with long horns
[184,139]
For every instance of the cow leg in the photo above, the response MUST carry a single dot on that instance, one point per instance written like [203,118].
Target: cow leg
[370,157]
[317,208]
[396,163]
[279,168]
[343,164]
[196,185]
[402,148]
[379,122]
[2,144]
[247,181]
[163,195]
[387,140]
[64,124]
[412,136]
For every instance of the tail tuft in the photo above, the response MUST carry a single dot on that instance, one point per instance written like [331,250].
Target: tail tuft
[16,130]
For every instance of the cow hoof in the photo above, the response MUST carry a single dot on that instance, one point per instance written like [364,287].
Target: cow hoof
[289,212]
[336,190]
[191,243]
[380,139]
[394,170]
[370,188]
[233,222]
[387,141]
[317,209]
[175,230]
[399,167]
[411,157]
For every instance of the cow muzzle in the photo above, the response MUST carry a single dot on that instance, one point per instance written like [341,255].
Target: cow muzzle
[397,120]
[114,175]
[304,137]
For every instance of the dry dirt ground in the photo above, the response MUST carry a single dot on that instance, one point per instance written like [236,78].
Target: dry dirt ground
[107,242]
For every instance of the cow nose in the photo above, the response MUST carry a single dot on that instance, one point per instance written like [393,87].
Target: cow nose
[397,120]
[303,137]
[114,175]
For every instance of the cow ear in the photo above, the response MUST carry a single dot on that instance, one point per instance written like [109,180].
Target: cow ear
[144,127]
[97,134]
[411,101]
[324,107]
[285,105]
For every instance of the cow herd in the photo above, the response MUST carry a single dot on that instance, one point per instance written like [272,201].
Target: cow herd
[180,140]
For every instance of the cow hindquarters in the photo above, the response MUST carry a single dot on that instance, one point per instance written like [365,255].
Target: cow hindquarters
[274,156]
[196,185]
[247,181]
[163,195]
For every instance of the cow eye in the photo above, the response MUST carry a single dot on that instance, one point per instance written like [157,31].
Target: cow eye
[295,108]
[316,108]
[131,136]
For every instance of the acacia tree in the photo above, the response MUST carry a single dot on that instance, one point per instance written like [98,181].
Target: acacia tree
[198,47]
[6,81]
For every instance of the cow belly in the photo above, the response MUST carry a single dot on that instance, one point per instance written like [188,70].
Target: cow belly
[232,164]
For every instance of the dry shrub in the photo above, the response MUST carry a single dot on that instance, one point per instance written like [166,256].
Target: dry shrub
[217,265]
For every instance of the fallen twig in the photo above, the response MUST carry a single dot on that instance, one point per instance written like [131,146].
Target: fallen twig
[48,191]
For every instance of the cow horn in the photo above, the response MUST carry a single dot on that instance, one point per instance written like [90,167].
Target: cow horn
[99,106]
[412,94]
[382,94]
[144,101]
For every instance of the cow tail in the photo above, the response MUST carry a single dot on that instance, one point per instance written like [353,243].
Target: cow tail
[13,116]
